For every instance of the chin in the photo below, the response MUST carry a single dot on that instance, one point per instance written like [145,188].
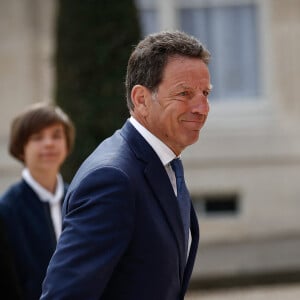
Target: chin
[194,136]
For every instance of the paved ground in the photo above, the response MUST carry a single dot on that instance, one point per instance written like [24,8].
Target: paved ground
[273,292]
[267,268]
[268,260]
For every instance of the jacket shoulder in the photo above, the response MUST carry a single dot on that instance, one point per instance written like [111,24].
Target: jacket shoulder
[11,197]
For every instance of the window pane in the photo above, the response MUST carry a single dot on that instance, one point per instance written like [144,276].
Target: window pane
[148,20]
[230,33]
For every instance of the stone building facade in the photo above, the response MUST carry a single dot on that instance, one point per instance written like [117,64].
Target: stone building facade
[26,68]
[244,172]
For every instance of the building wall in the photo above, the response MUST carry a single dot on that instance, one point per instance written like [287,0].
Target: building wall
[26,48]
[251,150]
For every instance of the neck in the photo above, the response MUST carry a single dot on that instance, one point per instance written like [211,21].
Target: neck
[46,180]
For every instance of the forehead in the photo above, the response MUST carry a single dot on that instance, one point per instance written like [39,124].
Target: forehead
[55,126]
[186,71]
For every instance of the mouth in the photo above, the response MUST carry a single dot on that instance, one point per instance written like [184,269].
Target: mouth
[197,122]
[49,155]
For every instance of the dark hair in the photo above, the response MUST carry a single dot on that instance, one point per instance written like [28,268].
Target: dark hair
[32,120]
[149,58]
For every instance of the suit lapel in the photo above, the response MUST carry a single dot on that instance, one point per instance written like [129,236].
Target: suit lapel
[193,250]
[161,186]
[159,182]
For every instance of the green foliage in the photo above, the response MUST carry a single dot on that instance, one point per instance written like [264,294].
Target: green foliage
[94,41]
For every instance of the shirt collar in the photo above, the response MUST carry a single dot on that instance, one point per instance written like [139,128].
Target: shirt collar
[162,150]
[44,194]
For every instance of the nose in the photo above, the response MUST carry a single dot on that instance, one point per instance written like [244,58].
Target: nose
[48,140]
[201,105]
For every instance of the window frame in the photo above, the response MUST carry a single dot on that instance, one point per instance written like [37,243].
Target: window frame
[226,115]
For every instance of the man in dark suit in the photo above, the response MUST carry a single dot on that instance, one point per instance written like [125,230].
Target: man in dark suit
[123,231]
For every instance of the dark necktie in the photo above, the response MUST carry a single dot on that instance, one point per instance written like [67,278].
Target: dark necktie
[182,196]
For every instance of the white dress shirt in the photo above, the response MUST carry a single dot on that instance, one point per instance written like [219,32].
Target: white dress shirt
[54,200]
[165,154]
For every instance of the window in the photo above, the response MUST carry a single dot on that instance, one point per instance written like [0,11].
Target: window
[230,33]
[148,21]
[217,205]
[148,16]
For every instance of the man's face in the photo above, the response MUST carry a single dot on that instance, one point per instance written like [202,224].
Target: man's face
[178,111]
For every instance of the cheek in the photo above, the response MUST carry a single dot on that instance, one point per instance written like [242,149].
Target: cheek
[64,149]
[28,151]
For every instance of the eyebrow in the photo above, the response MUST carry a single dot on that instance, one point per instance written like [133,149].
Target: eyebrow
[189,88]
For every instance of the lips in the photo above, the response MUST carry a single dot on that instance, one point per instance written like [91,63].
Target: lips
[199,119]
[49,155]
[197,122]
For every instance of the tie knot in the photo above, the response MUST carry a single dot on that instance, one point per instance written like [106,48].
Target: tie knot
[177,167]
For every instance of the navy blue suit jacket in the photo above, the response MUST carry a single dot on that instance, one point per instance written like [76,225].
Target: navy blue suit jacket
[9,284]
[123,238]
[30,234]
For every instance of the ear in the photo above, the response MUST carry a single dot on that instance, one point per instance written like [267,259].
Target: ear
[139,96]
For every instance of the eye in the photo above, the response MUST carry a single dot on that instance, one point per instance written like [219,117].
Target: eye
[183,93]
[58,134]
[206,93]
[35,137]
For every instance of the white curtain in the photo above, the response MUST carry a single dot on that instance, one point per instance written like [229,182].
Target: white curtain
[230,33]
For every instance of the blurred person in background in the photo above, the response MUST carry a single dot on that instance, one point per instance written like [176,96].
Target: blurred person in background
[125,236]
[41,138]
